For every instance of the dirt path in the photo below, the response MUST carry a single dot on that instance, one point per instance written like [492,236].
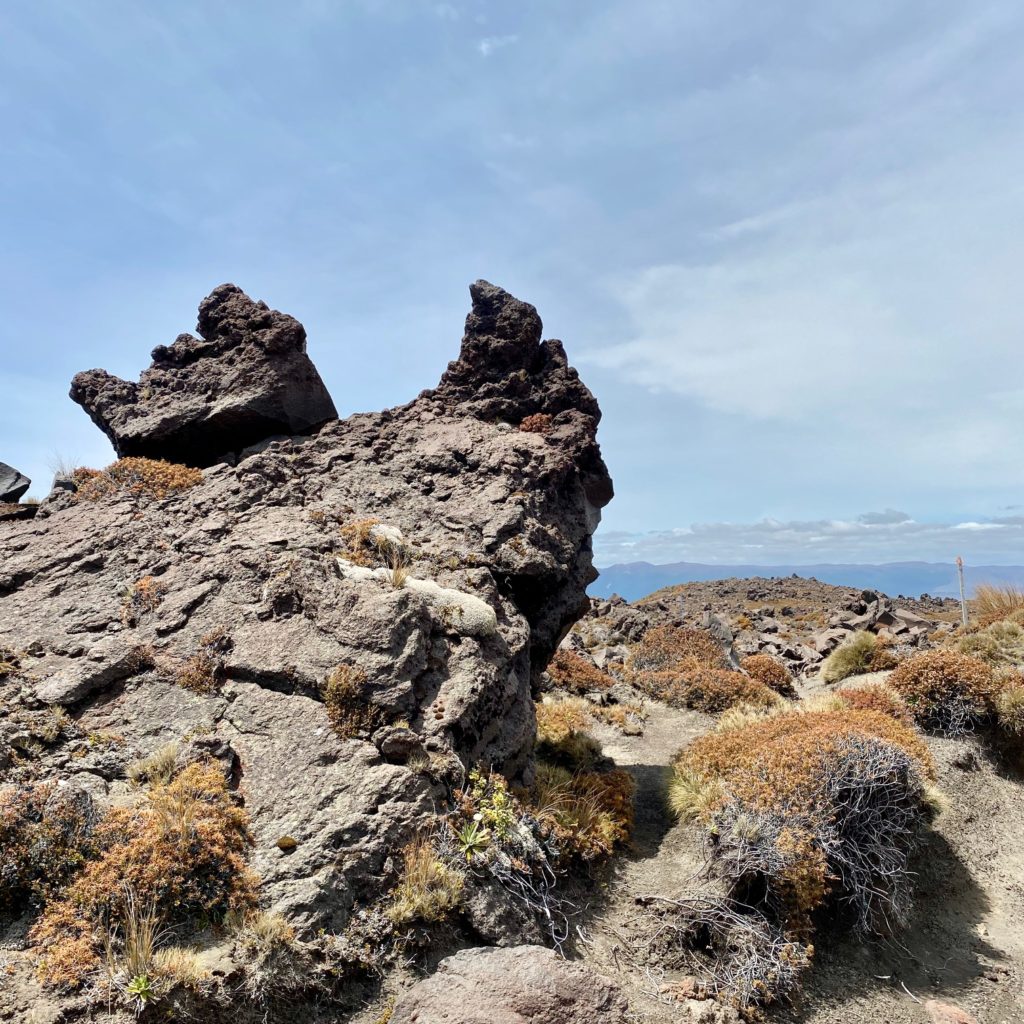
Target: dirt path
[965,943]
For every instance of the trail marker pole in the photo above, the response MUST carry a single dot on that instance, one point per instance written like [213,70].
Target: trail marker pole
[963,599]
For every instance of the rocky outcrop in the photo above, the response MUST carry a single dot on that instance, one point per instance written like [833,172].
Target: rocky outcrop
[522,985]
[246,378]
[218,614]
[12,484]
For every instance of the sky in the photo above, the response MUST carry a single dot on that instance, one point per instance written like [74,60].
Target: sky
[781,242]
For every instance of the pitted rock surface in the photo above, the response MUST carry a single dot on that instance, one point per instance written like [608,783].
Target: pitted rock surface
[521,985]
[244,379]
[255,555]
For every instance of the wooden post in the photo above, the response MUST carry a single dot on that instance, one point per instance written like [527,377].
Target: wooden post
[963,599]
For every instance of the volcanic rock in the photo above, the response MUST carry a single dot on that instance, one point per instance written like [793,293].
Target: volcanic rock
[244,379]
[258,576]
[522,985]
[12,483]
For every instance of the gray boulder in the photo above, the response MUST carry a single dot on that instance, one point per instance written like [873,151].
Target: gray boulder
[259,589]
[521,985]
[12,483]
[244,379]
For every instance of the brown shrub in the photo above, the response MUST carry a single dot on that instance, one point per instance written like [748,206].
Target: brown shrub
[876,697]
[153,478]
[181,851]
[360,546]
[574,673]
[200,672]
[140,599]
[705,689]
[813,802]
[945,690]
[557,720]
[668,648]
[770,671]
[588,813]
[348,707]
[44,840]
[10,664]
[537,423]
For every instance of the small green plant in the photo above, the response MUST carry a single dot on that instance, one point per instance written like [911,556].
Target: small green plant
[140,988]
[472,839]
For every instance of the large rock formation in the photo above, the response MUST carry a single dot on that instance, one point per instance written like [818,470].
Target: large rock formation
[523,985]
[267,576]
[12,483]
[247,377]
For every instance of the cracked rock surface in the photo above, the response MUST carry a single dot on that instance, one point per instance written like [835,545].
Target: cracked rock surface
[250,578]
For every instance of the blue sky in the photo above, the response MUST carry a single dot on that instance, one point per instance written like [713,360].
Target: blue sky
[782,242]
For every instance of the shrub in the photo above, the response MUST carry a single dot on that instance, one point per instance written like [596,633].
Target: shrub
[153,478]
[348,707]
[999,643]
[813,802]
[706,689]
[140,599]
[359,542]
[574,673]
[9,662]
[158,768]
[557,720]
[45,838]
[945,690]
[428,891]
[199,673]
[993,603]
[770,671]
[875,697]
[180,852]
[863,652]
[668,648]
[587,813]
[537,423]
[1009,704]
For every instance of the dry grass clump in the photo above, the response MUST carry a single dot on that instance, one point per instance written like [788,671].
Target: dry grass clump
[587,813]
[863,652]
[706,689]
[998,643]
[181,852]
[429,890]
[141,598]
[200,672]
[1009,703]
[274,963]
[574,673]
[153,478]
[557,720]
[946,690]
[348,707]
[669,648]
[876,697]
[537,423]
[770,671]
[994,603]
[804,805]
[158,768]
[358,538]
[44,839]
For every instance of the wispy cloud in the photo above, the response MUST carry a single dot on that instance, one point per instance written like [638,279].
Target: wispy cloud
[489,44]
[869,538]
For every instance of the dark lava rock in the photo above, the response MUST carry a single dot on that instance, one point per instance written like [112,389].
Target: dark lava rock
[12,483]
[245,378]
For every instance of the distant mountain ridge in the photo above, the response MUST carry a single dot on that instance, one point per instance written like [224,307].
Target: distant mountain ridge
[633,580]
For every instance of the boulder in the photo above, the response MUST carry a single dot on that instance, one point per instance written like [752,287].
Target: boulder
[12,484]
[270,576]
[521,985]
[244,379]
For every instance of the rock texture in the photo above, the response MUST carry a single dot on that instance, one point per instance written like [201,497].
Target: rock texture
[522,985]
[246,378]
[258,579]
[12,483]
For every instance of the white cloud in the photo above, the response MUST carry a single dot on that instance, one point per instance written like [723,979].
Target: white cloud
[489,44]
[869,538]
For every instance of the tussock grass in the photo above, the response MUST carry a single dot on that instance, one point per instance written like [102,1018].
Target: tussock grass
[993,603]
